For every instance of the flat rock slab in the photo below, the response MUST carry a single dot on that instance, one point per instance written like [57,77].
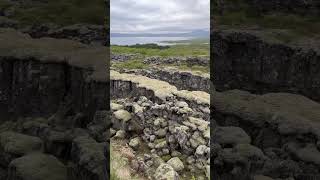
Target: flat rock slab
[22,46]
[288,113]
[37,166]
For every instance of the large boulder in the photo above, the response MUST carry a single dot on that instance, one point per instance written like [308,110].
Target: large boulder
[176,163]
[166,172]
[230,136]
[88,158]
[37,166]
[305,152]
[13,145]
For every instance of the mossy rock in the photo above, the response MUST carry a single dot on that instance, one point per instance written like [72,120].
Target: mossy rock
[166,157]
[37,166]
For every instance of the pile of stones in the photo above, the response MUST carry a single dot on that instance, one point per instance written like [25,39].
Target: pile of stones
[172,131]
[274,136]
[123,57]
[43,148]
[181,79]
[157,60]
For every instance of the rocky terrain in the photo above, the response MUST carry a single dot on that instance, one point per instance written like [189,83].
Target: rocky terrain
[85,33]
[249,61]
[171,126]
[266,102]
[53,107]
[183,80]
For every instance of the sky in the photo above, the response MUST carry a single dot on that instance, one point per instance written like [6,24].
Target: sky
[159,16]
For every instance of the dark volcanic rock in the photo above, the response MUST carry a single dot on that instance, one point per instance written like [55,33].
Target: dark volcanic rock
[66,84]
[88,155]
[37,166]
[245,61]
[39,70]
[183,80]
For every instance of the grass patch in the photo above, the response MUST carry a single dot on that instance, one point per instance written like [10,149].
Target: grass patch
[120,156]
[175,50]
[62,12]
[132,64]
[204,69]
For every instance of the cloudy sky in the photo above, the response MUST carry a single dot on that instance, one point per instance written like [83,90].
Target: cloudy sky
[159,16]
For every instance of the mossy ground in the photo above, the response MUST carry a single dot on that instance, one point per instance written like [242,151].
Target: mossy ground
[175,50]
[61,12]
[195,48]
[245,16]
[120,156]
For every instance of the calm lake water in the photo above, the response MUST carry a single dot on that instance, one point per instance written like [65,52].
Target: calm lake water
[145,40]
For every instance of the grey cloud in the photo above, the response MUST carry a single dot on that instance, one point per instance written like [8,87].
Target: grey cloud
[159,15]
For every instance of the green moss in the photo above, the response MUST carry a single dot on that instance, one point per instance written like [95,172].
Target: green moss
[132,64]
[157,141]
[166,158]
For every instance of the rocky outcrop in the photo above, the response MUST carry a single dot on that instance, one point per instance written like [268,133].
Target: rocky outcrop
[246,60]
[37,166]
[274,134]
[53,80]
[129,85]
[173,131]
[183,80]
[38,69]
[84,33]
[123,57]
[174,124]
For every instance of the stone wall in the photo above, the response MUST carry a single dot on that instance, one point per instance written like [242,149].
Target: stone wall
[170,130]
[174,124]
[190,61]
[242,60]
[181,79]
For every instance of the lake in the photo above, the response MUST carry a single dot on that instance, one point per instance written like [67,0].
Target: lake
[145,40]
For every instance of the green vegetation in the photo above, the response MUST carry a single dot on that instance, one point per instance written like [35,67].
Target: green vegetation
[244,16]
[132,64]
[147,46]
[120,157]
[197,48]
[62,12]
[175,50]
[203,69]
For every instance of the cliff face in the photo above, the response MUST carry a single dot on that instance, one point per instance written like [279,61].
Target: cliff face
[53,100]
[34,87]
[245,61]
